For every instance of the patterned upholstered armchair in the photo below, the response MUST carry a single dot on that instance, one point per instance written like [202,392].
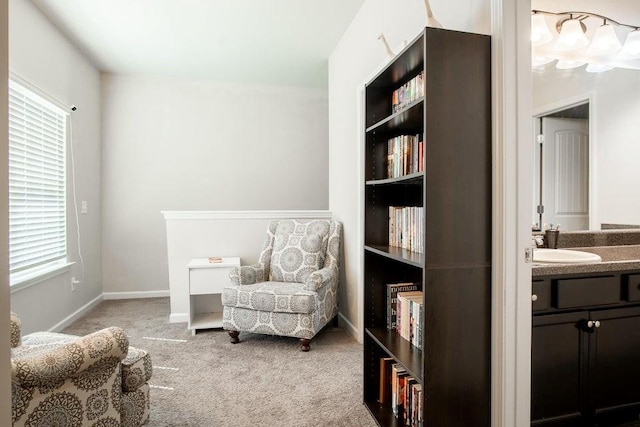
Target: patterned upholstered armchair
[65,380]
[292,289]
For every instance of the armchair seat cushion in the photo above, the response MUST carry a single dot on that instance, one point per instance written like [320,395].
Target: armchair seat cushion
[279,297]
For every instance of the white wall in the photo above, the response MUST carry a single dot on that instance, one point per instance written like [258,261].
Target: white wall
[353,62]
[172,144]
[616,136]
[39,54]
[5,374]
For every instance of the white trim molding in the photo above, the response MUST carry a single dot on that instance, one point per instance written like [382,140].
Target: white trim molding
[179,318]
[512,204]
[191,215]
[136,295]
[350,328]
[76,314]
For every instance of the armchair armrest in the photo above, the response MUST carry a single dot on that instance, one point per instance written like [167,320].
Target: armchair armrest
[99,350]
[318,279]
[247,274]
[15,330]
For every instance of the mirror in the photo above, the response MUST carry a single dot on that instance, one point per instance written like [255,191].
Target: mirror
[588,167]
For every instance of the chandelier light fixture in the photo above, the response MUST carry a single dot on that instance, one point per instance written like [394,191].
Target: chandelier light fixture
[583,38]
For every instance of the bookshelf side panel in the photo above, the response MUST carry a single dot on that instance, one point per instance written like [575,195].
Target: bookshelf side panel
[458,148]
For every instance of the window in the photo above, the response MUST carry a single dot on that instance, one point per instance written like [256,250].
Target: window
[37,182]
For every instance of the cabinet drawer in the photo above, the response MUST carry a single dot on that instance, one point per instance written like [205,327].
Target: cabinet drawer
[588,291]
[208,280]
[633,283]
[541,293]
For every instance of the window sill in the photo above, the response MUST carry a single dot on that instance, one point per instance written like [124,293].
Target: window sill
[26,280]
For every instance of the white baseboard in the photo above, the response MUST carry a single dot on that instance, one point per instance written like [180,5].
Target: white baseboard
[353,331]
[178,317]
[135,295]
[76,315]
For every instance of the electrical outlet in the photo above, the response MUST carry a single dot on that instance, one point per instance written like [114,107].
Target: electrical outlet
[84,208]
[74,284]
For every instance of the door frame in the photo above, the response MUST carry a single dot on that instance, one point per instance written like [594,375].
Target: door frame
[574,101]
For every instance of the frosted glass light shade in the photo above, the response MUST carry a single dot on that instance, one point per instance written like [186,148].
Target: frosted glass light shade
[566,64]
[539,61]
[605,41]
[571,36]
[540,33]
[631,48]
[598,68]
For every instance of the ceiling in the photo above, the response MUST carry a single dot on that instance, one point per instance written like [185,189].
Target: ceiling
[285,42]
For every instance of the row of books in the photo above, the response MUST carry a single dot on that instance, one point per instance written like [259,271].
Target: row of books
[406,227]
[408,93]
[405,155]
[392,300]
[402,391]
[410,315]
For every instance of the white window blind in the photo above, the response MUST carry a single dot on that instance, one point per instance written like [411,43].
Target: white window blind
[37,180]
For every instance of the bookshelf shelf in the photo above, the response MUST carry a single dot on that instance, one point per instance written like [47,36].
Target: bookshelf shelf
[407,119]
[411,179]
[382,414]
[453,123]
[398,254]
[400,349]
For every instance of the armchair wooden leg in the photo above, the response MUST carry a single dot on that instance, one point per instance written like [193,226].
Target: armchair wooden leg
[304,344]
[234,337]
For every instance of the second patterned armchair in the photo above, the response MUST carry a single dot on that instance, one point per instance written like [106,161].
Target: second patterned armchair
[66,380]
[292,290]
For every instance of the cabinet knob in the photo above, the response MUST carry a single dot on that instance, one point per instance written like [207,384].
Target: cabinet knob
[534,297]
[592,323]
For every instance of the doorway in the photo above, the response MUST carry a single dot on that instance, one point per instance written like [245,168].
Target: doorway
[561,168]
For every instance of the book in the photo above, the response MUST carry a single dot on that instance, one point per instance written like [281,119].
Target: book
[392,292]
[403,309]
[407,93]
[406,398]
[415,418]
[215,259]
[384,391]
[402,390]
[397,370]
[401,382]
[406,227]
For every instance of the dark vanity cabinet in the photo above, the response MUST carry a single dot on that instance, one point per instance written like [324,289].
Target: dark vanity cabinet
[585,350]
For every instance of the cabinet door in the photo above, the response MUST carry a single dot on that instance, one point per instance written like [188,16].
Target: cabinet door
[614,378]
[558,368]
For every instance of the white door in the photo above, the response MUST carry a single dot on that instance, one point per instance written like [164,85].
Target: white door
[565,173]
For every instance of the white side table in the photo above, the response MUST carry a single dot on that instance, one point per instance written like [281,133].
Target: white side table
[207,278]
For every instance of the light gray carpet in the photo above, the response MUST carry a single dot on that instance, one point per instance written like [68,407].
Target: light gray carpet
[205,381]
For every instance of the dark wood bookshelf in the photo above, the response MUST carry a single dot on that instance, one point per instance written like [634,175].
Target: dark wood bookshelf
[453,120]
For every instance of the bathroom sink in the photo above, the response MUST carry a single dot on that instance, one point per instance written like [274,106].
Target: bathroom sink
[563,256]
